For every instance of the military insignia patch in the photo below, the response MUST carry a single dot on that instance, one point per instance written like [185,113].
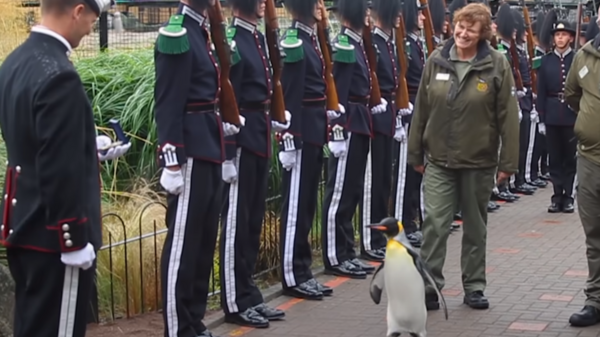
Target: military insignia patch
[482,86]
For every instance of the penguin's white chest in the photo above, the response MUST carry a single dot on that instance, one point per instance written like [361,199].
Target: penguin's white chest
[406,295]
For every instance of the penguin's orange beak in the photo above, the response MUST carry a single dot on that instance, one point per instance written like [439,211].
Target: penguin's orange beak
[377,227]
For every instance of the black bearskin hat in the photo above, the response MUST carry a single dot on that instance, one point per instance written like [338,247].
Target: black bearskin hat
[454,6]
[592,29]
[410,14]
[247,7]
[353,11]
[505,21]
[387,11]
[519,26]
[301,9]
[438,15]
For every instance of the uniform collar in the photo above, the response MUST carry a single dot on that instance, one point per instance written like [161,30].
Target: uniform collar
[352,34]
[46,31]
[188,11]
[378,31]
[540,49]
[239,22]
[304,27]
[520,47]
[563,55]
[505,43]
[413,36]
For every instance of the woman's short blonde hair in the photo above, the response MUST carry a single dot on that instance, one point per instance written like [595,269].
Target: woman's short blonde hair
[476,12]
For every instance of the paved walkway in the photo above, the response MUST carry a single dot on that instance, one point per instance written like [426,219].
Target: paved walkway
[536,271]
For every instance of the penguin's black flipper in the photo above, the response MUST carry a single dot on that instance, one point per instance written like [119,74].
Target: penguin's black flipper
[424,271]
[377,284]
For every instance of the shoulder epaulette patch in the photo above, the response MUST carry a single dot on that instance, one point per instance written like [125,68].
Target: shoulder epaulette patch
[235,53]
[536,62]
[344,51]
[292,46]
[173,39]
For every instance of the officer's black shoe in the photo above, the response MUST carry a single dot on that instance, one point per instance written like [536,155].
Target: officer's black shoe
[415,238]
[545,176]
[492,206]
[207,333]
[523,189]
[539,183]
[506,196]
[586,317]
[476,300]
[568,207]
[454,227]
[432,302]
[272,314]
[555,208]
[369,269]
[320,287]
[375,255]
[305,290]
[346,269]
[458,216]
[249,318]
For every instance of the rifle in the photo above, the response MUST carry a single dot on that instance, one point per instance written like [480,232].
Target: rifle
[402,90]
[372,58]
[227,100]
[323,36]
[448,33]
[428,27]
[530,47]
[515,65]
[578,28]
[277,111]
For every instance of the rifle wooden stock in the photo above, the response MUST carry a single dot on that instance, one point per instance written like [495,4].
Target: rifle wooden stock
[427,27]
[578,27]
[402,101]
[530,48]
[515,65]
[323,36]
[375,98]
[277,111]
[227,99]
[448,33]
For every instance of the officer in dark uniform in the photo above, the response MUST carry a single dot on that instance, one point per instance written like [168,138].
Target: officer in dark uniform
[592,29]
[51,218]
[407,181]
[527,130]
[556,117]
[304,87]
[438,11]
[246,170]
[348,161]
[378,173]
[191,151]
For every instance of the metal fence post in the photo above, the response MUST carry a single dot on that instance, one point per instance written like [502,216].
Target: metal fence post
[103,31]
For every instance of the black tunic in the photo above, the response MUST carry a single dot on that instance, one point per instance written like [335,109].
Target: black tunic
[551,77]
[52,184]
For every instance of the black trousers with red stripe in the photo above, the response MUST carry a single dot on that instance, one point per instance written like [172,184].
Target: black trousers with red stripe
[376,193]
[188,252]
[242,221]
[300,195]
[342,195]
[51,299]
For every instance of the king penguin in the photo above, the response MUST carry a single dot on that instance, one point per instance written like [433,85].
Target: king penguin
[404,275]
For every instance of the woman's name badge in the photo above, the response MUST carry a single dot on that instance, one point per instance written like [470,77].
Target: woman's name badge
[583,72]
[442,77]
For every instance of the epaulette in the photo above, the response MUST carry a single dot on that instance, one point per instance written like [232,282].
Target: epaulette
[173,39]
[292,46]
[500,48]
[344,51]
[536,62]
[235,53]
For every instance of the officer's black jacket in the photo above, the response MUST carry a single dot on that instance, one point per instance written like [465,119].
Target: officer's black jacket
[387,74]
[251,79]
[303,83]
[52,186]
[416,64]
[186,92]
[551,77]
[353,83]
[526,102]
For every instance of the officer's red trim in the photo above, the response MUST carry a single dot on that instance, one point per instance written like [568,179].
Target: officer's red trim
[6,215]
[75,231]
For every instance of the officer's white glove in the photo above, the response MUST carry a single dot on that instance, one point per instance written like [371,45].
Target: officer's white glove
[230,129]
[534,116]
[534,95]
[288,159]
[278,127]
[520,115]
[103,141]
[332,114]
[542,128]
[380,108]
[172,181]
[522,93]
[229,172]
[338,148]
[83,258]
[400,134]
[407,111]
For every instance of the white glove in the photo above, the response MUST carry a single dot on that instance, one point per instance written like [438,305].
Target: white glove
[534,95]
[172,181]
[278,127]
[380,108]
[520,115]
[534,116]
[287,159]
[522,93]
[230,129]
[406,112]
[229,171]
[542,128]
[332,114]
[338,148]
[400,134]
[83,258]
[112,153]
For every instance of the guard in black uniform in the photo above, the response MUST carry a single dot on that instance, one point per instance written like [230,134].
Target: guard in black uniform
[246,170]
[407,182]
[557,120]
[527,130]
[191,151]
[378,173]
[51,219]
[347,165]
[304,87]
